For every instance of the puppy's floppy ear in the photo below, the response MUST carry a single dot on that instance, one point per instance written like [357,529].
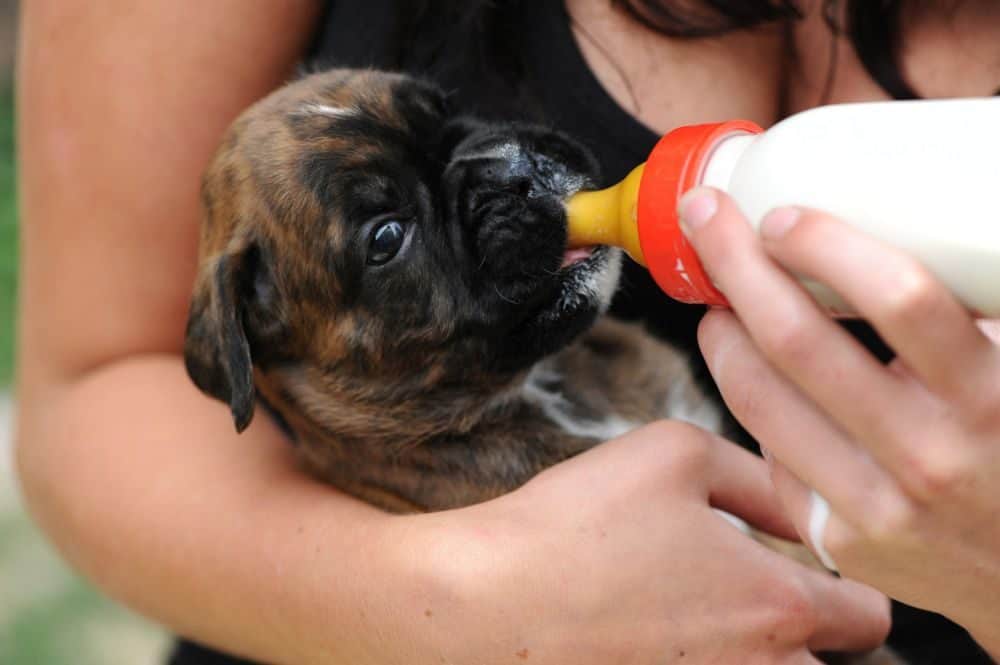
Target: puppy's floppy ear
[216,350]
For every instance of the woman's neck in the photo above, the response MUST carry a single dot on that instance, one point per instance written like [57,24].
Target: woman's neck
[772,71]
[665,82]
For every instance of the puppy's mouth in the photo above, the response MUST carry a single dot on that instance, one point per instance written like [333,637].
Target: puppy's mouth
[576,255]
[585,281]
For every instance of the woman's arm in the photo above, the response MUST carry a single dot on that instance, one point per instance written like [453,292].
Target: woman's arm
[137,477]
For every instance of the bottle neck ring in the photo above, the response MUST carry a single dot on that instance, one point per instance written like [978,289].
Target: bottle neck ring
[676,165]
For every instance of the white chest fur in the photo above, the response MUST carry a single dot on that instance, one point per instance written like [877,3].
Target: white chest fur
[684,402]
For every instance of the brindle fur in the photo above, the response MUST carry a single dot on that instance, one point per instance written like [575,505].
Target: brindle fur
[401,398]
[442,446]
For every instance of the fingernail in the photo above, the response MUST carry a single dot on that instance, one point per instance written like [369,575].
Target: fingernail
[696,208]
[778,222]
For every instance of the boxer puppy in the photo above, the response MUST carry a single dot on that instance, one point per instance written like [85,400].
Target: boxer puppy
[393,280]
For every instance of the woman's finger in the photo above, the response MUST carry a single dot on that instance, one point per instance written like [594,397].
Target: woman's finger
[737,481]
[850,616]
[915,314]
[837,614]
[809,511]
[795,335]
[786,421]
[866,610]
[843,615]
[795,499]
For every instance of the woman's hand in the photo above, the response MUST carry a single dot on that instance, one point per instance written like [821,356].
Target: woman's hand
[617,555]
[907,454]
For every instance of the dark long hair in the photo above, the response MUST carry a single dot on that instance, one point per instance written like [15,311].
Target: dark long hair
[492,28]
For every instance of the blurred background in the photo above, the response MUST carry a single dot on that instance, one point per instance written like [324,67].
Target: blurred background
[48,615]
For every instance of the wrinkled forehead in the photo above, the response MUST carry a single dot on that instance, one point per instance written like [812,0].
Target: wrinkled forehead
[366,128]
[364,107]
[348,136]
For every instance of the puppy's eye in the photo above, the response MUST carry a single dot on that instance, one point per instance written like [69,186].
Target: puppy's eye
[385,242]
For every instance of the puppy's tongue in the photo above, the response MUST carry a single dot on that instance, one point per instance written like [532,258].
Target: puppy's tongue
[575,254]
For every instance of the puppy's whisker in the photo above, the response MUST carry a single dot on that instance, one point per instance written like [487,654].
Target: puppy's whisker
[503,297]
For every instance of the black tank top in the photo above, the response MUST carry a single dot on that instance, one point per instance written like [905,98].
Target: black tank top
[559,89]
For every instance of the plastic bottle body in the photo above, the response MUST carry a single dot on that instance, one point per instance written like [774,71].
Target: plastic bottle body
[923,176]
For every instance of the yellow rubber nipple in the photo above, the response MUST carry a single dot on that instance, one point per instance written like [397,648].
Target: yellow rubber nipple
[607,217]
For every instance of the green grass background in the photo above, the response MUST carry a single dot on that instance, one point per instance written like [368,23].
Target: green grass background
[8,235]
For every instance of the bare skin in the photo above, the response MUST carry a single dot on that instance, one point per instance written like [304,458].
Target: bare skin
[132,472]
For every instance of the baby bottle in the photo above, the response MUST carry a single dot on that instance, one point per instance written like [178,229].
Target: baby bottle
[923,176]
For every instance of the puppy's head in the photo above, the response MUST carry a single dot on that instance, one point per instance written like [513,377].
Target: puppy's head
[363,249]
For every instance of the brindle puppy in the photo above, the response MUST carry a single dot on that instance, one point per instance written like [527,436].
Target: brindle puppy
[393,280]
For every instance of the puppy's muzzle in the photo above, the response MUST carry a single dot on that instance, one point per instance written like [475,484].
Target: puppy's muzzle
[511,209]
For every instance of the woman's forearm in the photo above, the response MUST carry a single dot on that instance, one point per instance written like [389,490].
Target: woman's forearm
[145,487]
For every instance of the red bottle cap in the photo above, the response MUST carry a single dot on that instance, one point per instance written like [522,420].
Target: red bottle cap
[675,166]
